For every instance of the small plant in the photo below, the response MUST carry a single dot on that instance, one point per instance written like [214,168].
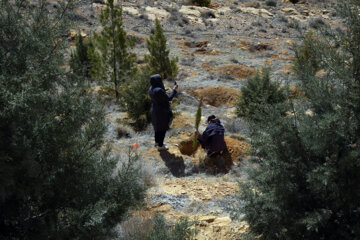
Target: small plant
[271,3]
[317,23]
[157,229]
[158,61]
[202,3]
[197,122]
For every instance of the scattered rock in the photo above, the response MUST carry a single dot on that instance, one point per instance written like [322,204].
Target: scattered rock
[97,7]
[196,44]
[257,47]
[290,11]
[258,12]
[131,11]
[74,33]
[151,13]
[223,10]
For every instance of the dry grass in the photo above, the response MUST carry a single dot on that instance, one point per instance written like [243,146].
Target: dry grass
[216,96]
[237,71]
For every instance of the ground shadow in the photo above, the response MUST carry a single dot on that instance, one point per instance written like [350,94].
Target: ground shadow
[174,163]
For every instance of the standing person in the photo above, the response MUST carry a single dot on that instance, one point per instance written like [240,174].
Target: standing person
[212,139]
[161,114]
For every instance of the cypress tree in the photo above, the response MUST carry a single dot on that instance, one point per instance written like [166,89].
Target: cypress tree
[56,179]
[113,62]
[80,58]
[256,93]
[306,181]
[136,100]
[158,61]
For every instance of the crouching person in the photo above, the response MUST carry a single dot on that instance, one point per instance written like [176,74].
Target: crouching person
[212,139]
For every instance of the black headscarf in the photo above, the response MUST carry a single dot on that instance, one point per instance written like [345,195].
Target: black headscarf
[156,81]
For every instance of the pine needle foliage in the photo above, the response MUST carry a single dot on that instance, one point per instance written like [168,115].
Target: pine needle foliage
[112,62]
[306,181]
[80,62]
[197,121]
[181,231]
[306,58]
[158,61]
[256,93]
[136,101]
[56,181]
[160,229]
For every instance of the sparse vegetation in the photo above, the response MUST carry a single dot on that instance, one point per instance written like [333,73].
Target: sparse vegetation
[202,3]
[158,228]
[271,3]
[158,61]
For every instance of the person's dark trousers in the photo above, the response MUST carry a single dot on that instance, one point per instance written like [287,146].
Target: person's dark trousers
[159,138]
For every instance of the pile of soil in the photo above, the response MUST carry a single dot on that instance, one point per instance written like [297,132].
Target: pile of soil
[237,71]
[235,150]
[216,96]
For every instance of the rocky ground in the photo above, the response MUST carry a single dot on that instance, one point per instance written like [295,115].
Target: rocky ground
[218,48]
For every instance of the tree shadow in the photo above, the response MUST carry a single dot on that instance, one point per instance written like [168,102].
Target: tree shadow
[174,163]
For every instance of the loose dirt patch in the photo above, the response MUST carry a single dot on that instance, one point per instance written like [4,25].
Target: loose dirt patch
[235,149]
[237,71]
[182,121]
[210,52]
[216,96]
[198,189]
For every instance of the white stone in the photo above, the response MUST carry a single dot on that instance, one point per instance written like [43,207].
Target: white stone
[153,13]
[190,11]
[259,12]
[223,10]
[132,11]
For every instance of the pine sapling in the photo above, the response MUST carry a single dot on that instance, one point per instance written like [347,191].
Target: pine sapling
[197,122]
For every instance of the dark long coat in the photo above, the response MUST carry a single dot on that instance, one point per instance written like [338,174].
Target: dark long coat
[161,114]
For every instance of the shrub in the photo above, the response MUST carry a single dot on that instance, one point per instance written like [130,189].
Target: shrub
[158,61]
[271,3]
[136,101]
[316,23]
[158,229]
[57,180]
[307,61]
[202,3]
[80,62]
[257,93]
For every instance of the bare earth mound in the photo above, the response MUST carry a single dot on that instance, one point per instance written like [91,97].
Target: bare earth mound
[216,96]
[235,149]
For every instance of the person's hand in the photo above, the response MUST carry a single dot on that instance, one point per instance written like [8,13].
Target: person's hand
[197,133]
[176,87]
